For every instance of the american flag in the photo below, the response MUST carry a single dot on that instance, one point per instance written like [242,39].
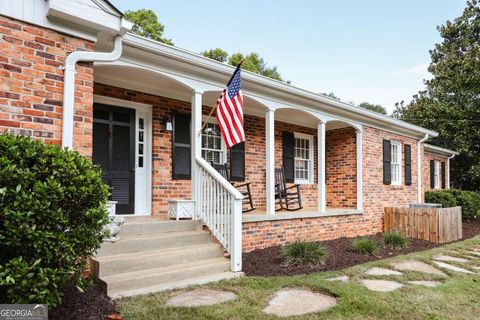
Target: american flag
[230,111]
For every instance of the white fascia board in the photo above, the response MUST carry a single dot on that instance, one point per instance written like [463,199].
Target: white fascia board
[438,150]
[85,13]
[258,82]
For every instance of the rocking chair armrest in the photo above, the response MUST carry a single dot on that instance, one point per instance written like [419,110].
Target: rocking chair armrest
[294,186]
[241,185]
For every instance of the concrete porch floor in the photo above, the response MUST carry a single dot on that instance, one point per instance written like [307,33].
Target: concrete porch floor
[260,214]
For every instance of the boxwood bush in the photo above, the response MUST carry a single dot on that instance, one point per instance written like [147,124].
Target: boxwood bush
[468,200]
[52,214]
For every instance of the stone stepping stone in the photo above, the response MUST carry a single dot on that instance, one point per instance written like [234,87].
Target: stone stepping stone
[449,258]
[339,278]
[382,272]
[414,265]
[200,297]
[425,283]
[382,285]
[293,302]
[450,267]
[476,267]
[474,253]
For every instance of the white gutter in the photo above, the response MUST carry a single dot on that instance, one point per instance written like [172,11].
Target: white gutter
[69,84]
[419,168]
[185,56]
[448,164]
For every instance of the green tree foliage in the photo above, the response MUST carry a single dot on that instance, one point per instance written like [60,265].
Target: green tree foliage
[216,54]
[146,24]
[252,62]
[331,95]
[52,215]
[450,104]
[373,107]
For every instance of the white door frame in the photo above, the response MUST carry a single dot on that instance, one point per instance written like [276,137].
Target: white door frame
[143,177]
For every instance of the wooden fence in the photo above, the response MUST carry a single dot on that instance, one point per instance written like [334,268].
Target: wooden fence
[439,225]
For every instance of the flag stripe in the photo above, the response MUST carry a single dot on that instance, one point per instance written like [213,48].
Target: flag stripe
[230,111]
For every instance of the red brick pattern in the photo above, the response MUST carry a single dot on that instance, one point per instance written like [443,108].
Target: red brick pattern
[31,84]
[376,196]
[341,154]
[426,170]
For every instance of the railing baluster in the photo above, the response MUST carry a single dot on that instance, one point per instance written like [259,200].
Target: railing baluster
[219,205]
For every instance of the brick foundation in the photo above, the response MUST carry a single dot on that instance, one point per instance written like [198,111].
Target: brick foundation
[31,84]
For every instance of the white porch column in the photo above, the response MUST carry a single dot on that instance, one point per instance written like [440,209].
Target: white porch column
[321,137]
[270,159]
[359,142]
[196,138]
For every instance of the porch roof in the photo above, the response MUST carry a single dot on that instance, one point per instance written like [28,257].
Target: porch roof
[439,150]
[215,74]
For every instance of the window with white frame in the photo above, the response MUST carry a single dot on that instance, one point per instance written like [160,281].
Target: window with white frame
[303,158]
[213,148]
[436,177]
[396,163]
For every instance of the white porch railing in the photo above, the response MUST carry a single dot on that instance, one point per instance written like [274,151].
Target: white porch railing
[219,205]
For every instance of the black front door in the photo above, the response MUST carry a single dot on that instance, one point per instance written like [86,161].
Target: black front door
[113,150]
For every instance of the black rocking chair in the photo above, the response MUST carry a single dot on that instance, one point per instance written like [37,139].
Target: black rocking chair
[244,188]
[288,198]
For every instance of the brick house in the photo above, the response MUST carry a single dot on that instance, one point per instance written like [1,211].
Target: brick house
[72,75]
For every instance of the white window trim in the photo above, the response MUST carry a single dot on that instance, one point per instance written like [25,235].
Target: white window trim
[213,120]
[436,174]
[400,159]
[311,167]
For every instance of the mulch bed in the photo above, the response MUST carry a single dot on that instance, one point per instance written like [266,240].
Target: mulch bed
[267,262]
[93,304]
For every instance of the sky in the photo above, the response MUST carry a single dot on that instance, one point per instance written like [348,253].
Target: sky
[371,50]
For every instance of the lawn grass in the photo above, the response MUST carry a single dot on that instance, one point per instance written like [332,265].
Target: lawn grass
[457,298]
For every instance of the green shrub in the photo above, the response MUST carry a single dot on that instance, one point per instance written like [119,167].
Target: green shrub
[468,200]
[303,253]
[446,199]
[364,245]
[52,214]
[394,240]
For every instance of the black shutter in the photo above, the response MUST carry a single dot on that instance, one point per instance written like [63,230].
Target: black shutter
[432,174]
[181,157]
[387,160]
[443,175]
[408,165]
[288,144]
[237,162]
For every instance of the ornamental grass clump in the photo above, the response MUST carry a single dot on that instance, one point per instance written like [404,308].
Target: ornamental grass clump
[394,240]
[364,246]
[303,253]
[52,218]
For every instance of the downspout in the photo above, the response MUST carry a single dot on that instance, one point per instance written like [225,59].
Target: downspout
[448,164]
[419,168]
[69,84]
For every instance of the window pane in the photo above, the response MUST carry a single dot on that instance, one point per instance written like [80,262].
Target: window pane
[140,123]
[140,136]
[140,162]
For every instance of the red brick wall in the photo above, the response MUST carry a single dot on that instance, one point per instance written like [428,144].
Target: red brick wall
[341,154]
[255,158]
[165,188]
[376,196]
[426,169]
[31,84]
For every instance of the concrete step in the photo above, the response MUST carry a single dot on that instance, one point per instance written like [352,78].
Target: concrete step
[129,262]
[140,226]
[153,242]
[179,284]
[117,284]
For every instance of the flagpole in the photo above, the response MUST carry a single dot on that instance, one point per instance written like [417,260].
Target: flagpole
[218,100]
